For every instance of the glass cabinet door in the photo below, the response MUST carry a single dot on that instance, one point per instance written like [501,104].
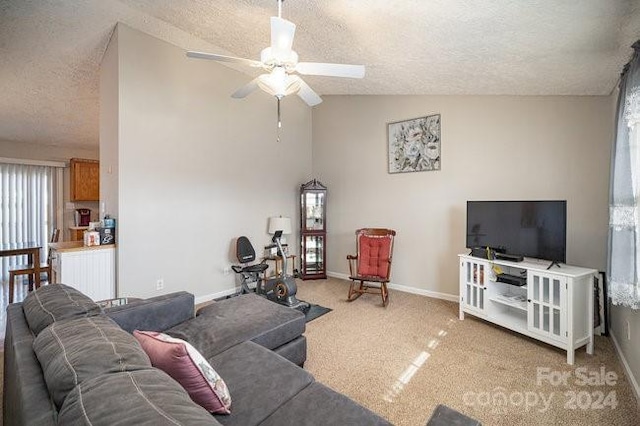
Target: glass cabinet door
[546,295]
[313,204]
[313,255]
[473,276]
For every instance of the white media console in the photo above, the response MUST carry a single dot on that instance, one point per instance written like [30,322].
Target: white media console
[554,306]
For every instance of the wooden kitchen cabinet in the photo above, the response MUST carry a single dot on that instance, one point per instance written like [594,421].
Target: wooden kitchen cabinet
[85,180]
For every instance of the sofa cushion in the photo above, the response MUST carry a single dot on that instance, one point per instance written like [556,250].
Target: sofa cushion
[319,405]
[26,398]
[373,256]
[294,351]
[224,324]
[185,364]
[155,314]
[56,302]
[144,397]
[259,380]
[73,351]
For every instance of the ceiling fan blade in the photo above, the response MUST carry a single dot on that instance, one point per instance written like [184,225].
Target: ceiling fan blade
[282,32]
[308,95]
[223,58]
[332,70]
[246,89]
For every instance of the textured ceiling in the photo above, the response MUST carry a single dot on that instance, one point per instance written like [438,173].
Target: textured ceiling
[50,50]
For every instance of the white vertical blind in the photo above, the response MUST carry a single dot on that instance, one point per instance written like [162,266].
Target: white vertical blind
[28,198]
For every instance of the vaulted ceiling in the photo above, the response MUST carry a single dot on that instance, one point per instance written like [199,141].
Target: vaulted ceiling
[50,51]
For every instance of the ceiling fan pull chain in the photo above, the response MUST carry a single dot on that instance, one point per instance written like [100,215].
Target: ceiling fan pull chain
[279,122]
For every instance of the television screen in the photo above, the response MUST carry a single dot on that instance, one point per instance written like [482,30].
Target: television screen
[535,229]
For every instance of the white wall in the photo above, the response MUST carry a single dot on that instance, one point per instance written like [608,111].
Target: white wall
[493,148]
[109,128]
[196,168]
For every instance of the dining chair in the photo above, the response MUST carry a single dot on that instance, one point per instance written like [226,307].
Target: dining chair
[371,266]
[29,269]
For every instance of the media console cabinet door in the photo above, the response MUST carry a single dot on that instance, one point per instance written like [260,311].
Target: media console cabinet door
[547,311]
[473,278]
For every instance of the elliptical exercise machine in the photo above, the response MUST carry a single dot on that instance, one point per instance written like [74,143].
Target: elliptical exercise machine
[280,289]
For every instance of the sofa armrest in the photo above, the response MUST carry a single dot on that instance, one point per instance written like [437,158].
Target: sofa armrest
[155,314]
[26,398]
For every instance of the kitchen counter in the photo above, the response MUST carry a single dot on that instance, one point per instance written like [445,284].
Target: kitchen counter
[67,246]
[89,269]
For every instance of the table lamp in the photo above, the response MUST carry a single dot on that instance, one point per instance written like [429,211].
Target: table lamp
[280,223]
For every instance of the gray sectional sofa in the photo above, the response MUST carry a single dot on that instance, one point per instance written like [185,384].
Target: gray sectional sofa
[69,362]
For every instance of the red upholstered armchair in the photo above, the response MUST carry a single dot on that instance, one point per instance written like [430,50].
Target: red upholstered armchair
[372,264]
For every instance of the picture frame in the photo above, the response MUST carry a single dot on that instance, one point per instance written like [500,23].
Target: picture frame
[601,305]
[414,145]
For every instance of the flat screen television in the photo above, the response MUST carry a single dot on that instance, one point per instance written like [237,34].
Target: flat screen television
[535,229]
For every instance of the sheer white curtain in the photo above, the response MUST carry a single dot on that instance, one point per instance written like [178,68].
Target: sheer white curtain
[28,206]
[624,209]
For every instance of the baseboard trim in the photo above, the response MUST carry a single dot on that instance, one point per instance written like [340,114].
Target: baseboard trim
[223,293]
[627,369]
[407,289]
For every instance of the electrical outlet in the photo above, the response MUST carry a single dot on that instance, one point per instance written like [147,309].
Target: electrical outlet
[226,270]
[159,284]
[628,330]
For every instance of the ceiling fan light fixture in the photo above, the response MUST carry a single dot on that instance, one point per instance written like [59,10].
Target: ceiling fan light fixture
[278,83]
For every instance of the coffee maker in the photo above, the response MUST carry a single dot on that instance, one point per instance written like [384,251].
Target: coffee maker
[82,217]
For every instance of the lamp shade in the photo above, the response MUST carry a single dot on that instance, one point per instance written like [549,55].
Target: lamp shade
[279,224]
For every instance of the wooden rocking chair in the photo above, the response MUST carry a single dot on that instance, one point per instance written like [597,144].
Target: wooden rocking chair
[372,264]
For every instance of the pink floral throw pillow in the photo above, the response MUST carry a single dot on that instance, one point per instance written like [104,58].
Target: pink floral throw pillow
[188,367]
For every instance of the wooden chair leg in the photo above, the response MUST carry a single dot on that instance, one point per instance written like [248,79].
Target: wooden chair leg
[47,272]
[385,294]
[11,279]
[30,282]
[353,291]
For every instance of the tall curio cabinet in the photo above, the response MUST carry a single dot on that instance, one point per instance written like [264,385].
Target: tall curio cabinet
[313,230]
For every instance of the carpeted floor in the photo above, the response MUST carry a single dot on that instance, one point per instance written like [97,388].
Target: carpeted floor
[402,361]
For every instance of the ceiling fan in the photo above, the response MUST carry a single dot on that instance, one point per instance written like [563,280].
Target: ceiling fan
[281,64]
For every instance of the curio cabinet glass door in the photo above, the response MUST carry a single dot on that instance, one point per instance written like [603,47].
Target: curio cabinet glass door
[313,230]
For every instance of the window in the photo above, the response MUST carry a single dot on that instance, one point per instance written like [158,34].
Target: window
[28,205]
[624,217]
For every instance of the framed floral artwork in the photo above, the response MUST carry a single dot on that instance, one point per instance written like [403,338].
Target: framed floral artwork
[414,145]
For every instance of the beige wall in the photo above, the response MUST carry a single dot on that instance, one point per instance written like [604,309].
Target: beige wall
[621,319]
[33,151]
[196,168]
[493,147]
[109,128]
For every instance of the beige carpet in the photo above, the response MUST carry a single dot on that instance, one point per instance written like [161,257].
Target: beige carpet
[404,360]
